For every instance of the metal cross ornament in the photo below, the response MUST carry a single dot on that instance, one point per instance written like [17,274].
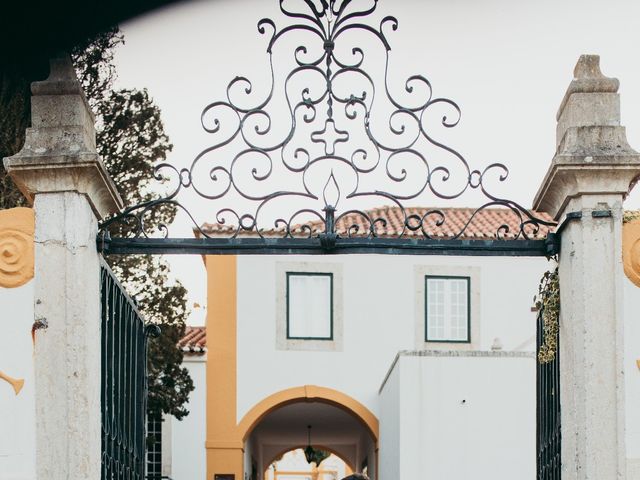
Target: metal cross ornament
[330,135]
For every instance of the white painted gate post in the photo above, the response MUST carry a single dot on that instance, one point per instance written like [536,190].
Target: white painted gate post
[584,187]
[59,170]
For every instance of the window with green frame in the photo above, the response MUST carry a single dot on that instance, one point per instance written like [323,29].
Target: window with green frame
[309,306]
[447,309]
[154,447]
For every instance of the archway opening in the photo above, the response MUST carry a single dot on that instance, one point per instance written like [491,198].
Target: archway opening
[274,440]
[293,465]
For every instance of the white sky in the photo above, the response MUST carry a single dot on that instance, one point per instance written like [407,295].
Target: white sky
[506,63]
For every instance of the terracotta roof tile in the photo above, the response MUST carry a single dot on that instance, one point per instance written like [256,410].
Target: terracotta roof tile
[484,225]
[194,341]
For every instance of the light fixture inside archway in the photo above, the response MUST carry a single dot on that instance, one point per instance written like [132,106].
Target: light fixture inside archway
[311,454]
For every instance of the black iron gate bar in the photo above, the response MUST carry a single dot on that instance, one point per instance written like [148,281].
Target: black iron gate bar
[124,381]
[548,415]
[333,173]
[319,246]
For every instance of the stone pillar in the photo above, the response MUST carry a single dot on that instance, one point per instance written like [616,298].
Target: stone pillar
[584,187]
[59,170]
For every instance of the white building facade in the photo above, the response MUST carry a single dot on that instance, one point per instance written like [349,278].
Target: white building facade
[443,409]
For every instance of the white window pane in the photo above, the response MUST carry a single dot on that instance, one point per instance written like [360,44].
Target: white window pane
[459,310]
[447,309]
[309,309]
[435,308]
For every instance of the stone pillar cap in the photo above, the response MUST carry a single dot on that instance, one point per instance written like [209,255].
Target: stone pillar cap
[62,78]
[59,153]
[588,78]
[592,155]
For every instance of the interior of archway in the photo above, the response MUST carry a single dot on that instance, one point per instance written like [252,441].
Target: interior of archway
[293,466]
[332,429]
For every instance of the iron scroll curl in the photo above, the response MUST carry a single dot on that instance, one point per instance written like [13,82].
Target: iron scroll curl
[330,143]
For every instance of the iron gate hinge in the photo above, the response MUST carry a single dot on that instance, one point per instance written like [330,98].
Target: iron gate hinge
[552,244]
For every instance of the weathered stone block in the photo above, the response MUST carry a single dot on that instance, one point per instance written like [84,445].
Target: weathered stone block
[589,109]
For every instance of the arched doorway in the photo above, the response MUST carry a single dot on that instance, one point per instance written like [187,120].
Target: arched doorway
[292,465]
[339,425]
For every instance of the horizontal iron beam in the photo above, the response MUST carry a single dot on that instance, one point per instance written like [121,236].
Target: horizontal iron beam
[315,246]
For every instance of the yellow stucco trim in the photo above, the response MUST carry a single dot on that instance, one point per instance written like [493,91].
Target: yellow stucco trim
[631,250]
[224,445]
[309,393]
[16,383]
[230,445]
[17,227]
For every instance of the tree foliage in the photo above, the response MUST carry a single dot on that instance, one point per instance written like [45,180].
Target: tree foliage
[130,139]
[15,117]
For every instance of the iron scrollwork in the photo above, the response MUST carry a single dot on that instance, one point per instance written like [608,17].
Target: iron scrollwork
[332,132]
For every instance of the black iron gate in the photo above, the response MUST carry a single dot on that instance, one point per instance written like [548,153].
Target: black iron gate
[124,382]
[548,434]
[296,183]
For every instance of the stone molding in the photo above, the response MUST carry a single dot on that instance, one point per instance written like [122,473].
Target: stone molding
[282,342]
[452,354]
[466,353]
[17,227]
[59,154]
[631,250]
[82,174]
[475,297]
[592,156]
[565,182]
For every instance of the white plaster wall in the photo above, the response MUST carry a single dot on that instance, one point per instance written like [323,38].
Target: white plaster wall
[189,434]
[378,314]
[632,376]
[17,413]
[477,409]
[389,443]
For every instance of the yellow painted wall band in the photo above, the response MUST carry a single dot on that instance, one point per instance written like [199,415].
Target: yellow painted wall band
[223,444]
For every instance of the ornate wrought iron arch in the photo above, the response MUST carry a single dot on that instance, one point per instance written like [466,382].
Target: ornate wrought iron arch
[332,149]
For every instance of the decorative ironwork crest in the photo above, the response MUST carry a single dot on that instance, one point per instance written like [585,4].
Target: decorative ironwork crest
[337,133]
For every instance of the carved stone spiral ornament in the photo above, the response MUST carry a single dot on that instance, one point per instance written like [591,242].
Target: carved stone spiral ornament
[631,250]
[335,129]
[16,247]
